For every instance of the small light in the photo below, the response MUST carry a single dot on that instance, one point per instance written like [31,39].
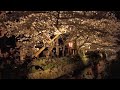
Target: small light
[70,44]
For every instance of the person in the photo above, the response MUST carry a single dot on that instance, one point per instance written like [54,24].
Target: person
[3,43]
[94,69]
[94,59]
[1,57]
[12,41]
[0,43]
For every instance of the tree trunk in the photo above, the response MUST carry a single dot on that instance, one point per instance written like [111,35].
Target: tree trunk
[57,47]
[63,52]
[75,47]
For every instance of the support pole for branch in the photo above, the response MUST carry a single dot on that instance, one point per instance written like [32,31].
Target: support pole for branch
[49,42]
[50,50]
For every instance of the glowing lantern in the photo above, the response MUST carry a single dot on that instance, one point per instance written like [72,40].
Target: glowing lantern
[70,44]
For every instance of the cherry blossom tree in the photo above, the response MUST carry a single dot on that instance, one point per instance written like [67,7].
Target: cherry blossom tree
[91,30]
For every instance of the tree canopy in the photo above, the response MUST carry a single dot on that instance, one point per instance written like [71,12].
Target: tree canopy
[93,30]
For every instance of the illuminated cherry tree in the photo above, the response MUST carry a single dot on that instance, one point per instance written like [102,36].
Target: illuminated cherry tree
[91,30]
